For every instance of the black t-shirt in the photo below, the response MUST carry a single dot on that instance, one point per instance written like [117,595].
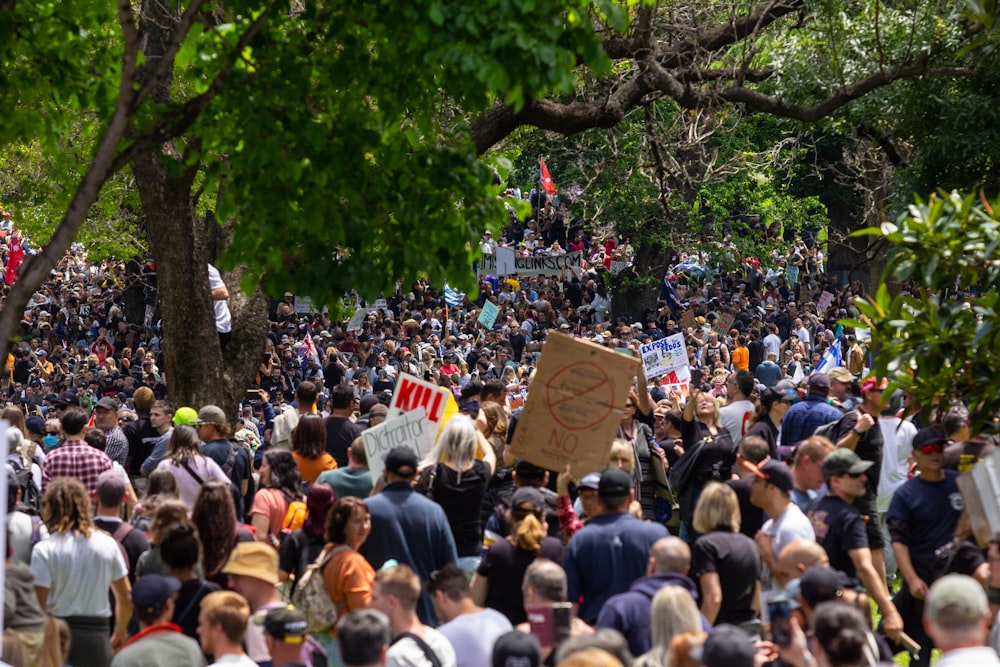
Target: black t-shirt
[751,516]
[504,565]
[333,374]
[134,543]
[714,462]
[187,606]
[340,433]
[298,551]
[869,448]
[734,557]
[839,529]
[462,502]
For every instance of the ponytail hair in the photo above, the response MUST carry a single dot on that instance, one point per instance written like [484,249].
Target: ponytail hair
[528,532]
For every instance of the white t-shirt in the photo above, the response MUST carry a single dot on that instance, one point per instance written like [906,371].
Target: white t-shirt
[223,324]
[792,525]
[19,530]
[473,636]
[406,652]
[78,572]
[897,439]
[233,660]
[735,418]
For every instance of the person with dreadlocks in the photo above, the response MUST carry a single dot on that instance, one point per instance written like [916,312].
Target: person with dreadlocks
[73,570]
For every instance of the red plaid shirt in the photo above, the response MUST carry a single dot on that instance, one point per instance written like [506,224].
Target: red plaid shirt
[76,459]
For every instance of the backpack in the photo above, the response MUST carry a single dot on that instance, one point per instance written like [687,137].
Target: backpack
[311,597]
[295,515]
[830,431]
[30,496]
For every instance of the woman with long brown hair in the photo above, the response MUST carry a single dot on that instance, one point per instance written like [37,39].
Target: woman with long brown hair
[309,448]
[215,518]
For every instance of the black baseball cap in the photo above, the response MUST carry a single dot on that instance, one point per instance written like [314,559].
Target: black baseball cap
[615,482]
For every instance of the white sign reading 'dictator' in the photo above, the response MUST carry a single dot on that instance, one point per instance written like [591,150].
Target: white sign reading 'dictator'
[409,429]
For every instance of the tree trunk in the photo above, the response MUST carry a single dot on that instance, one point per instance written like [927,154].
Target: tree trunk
[638,285]
[196,371]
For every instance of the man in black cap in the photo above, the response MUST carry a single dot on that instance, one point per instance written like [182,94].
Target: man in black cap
[158,642]
[921,519]
[285,630]
[609,553]
[840,530]
[407,527]
[771,491]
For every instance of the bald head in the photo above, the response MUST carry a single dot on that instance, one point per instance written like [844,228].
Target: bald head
[801,555]
[670,555]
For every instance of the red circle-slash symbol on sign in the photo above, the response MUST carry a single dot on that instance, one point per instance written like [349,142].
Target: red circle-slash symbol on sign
[583,379]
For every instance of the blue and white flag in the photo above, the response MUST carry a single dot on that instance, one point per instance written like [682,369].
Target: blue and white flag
[831,358]
[453,298]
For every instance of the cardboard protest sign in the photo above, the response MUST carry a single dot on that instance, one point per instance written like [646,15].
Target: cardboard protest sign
[489,314]
[668,357]
[980,488]
[723,323]
[412,393]
[381,304]
[575,406]
[687,320]
[410,429]
[536,265]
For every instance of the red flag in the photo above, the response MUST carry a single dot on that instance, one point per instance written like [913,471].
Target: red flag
[547,183]
[14,257]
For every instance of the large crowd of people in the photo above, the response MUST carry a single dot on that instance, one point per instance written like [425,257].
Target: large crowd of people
[750,516]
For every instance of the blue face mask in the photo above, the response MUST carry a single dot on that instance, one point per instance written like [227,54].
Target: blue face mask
[50,441]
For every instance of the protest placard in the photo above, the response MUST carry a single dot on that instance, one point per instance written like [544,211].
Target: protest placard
[687,320]
[980,489]
[413,394]
[576,403]
[536,265]
[825,299]
[506,262]
[667,356]
[723,323]
[489,314]
[303,305]
[381,304]
[357,320]
[618,267]
[410,429]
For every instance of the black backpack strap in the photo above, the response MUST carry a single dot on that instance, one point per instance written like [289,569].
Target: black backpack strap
[424,646]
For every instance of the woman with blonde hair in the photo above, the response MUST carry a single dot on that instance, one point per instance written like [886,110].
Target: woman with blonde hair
[497,581]
[724,562]
[673,613]
[709,455]
[457,480]
[362,384]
